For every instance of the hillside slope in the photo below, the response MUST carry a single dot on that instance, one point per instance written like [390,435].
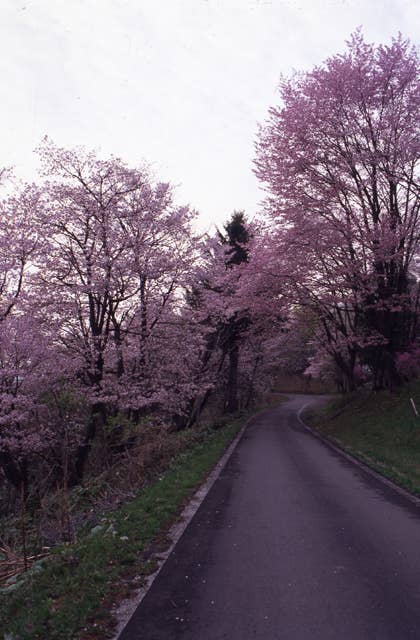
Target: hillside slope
[380,428]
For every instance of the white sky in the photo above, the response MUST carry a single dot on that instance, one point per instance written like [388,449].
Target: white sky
[179,83]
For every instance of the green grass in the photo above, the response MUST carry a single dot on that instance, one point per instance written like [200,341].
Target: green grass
[71,595]
[380,429]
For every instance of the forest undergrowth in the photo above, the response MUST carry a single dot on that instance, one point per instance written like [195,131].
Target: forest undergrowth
[69,591]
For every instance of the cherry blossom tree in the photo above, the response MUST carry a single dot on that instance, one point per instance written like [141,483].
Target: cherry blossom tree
[23,361]
[162,255]
[28,371]
[234,331]
[19,241]
[118,251]
[340,159]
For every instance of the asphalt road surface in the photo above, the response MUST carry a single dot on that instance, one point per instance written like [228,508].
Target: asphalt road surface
[293,542]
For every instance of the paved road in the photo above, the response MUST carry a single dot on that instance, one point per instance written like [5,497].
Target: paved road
[293,542]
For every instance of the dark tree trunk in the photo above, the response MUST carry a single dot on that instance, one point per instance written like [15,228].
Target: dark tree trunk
[143,322]
[231,402]
[118,347]
[194,411]
[386,375]
[250,394]
[96,420]
[346,381]
[395,325]
[16,472]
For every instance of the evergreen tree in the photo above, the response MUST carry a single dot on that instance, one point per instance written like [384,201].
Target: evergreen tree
[236,237]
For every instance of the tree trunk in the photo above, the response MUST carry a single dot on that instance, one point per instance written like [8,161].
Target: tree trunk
[231,403]
[97,419]
[15,472]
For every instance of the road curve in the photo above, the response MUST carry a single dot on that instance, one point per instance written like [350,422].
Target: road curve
[293,542]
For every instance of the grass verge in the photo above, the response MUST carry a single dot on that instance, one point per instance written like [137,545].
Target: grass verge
[381,429]
[70,595]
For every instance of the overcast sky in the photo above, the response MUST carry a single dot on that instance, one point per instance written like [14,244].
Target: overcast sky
[181,84]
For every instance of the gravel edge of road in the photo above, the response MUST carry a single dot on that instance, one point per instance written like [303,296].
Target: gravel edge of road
[126,609]
[356,461]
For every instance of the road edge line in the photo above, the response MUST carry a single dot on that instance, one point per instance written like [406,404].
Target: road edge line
[125,610]
[358,463]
